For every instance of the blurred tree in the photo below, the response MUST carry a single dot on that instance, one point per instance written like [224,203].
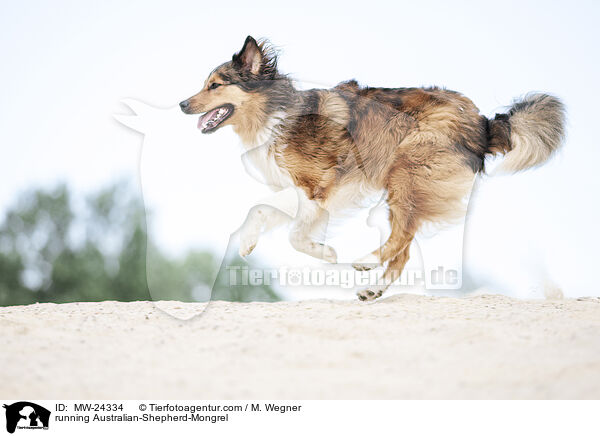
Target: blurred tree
[55,249]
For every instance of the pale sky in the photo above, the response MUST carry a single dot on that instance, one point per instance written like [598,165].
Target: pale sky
[66,65]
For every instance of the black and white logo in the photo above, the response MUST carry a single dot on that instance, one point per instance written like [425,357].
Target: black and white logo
[26,415]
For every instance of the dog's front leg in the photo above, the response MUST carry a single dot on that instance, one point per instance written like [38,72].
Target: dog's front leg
[273,211]
[310,218]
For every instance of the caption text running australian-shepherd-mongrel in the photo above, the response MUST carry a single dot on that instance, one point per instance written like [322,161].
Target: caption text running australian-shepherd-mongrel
[421,146]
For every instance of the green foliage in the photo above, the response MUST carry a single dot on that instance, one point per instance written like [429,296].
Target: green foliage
[56,249]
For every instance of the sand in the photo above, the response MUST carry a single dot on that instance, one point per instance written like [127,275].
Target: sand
[404,346]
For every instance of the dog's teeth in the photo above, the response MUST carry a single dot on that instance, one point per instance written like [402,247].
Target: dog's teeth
[216,118]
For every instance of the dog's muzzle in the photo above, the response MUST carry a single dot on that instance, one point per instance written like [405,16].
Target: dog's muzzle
[184,105]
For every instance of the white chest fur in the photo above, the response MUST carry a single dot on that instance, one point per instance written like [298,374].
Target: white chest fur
[261,164]
[259,160]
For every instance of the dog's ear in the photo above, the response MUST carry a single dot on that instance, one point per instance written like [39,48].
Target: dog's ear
[250,57]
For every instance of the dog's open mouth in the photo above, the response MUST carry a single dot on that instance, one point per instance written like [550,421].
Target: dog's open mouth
[210,120]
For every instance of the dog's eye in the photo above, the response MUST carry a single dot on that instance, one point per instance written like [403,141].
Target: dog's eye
[214,85]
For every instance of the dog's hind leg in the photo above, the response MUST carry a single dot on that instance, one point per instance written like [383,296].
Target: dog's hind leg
[376,219]
[404,224]
[311,218]
[391,274]
[401,232]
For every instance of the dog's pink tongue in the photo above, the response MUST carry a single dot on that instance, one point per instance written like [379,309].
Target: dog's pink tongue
[203,118]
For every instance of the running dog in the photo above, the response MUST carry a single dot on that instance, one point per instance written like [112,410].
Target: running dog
[421,146]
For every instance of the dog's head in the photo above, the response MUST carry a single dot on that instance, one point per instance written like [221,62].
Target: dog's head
[236,92]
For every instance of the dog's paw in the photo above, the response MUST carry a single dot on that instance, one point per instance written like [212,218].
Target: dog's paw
[368,295]
[366,263]
[359,266]
[329,254]
[247,244]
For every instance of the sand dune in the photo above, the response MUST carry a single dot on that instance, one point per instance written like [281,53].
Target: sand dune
[405,346]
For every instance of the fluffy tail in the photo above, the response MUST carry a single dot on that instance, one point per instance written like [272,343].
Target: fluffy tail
[531,131]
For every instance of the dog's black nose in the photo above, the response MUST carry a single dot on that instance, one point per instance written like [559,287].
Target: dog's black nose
[184,104]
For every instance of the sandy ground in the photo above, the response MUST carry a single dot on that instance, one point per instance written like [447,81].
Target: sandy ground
[405,346]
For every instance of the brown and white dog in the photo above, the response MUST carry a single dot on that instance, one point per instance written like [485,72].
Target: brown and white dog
[422,146]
